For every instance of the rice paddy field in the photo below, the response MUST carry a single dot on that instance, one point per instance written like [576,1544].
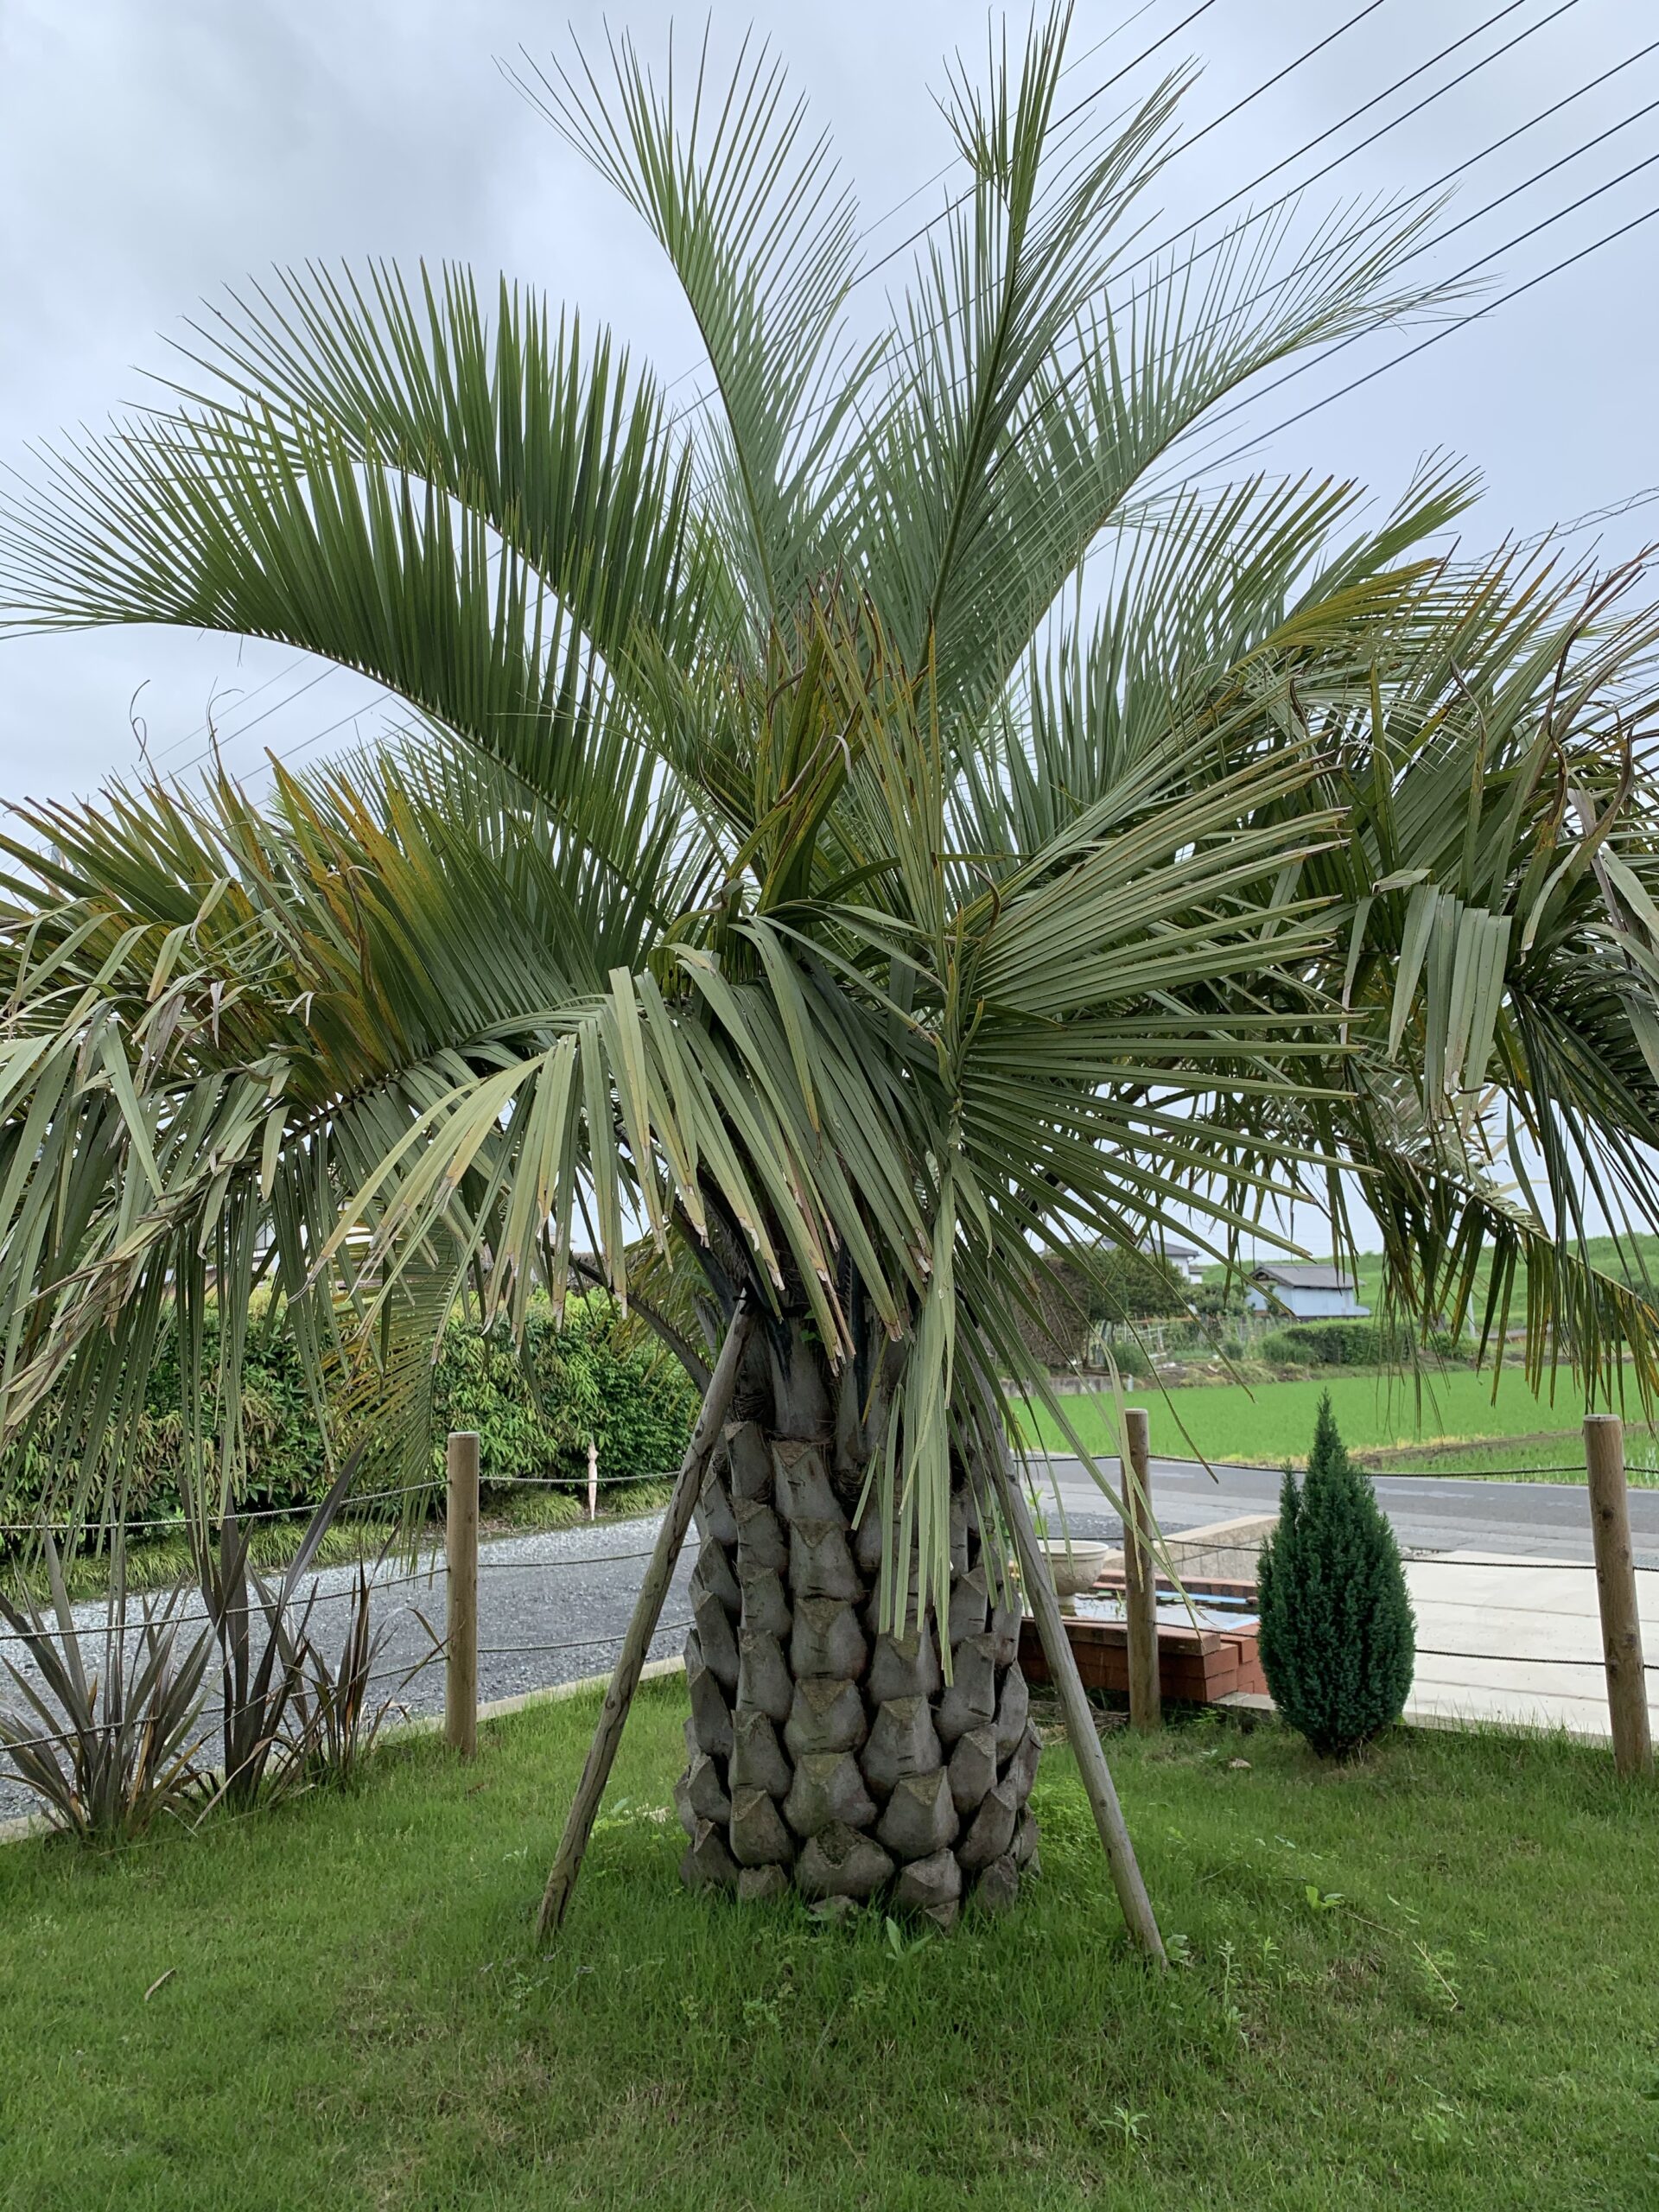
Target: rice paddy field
[1442,1424]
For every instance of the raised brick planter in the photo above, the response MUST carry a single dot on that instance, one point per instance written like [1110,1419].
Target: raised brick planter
[1195,1666]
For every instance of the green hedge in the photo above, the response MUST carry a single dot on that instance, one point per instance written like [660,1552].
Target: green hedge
[1132,1287]
[1353,1343]
[534,1406]
[1335,1343]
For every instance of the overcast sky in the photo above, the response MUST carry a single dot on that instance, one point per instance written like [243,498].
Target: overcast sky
[152,151]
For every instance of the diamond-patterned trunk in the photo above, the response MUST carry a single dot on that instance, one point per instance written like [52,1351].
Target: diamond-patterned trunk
[824,1756]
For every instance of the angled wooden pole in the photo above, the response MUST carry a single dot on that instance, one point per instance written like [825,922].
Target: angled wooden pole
[1141,1577]
[659,1572]
[1621,1621]
[1079,1721]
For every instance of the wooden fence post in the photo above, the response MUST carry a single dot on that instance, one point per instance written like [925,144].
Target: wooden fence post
[1141,1577]
[461,1552]
[1621,1623]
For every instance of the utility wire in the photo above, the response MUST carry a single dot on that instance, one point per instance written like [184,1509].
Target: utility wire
[1469,162]
[703,398]
[243,699]
[1214,123]
[1464,222]
[1609,513]
[1406,115]
[1447,329]
[939,175]
[1393,214]
[381,698]
[226,737]
[1258,214]
[1191,462]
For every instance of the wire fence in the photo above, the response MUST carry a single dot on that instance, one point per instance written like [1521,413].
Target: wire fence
[533,1573]
[177,1524]
[1221,1460]
[526,1569]
[212,1716]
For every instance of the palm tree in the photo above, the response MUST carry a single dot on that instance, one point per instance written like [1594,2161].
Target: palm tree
[803,884]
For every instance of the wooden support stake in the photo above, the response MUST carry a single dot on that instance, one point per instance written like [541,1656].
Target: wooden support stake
[460,1554]
[1079,1720]
[1621,1623]
[1141,1577]
[659,1572]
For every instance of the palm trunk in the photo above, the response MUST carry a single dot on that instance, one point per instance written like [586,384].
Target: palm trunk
[825,1756]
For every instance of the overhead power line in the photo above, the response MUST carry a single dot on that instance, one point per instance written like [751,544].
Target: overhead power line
[940,175]
[382,697]
[1608,238]
[703,398]
[1214,123]
[1434,338]
[1188,459]
[1610,512]
[242,699]
[1283,198]
[1406,115]
[1446,329]
[230,736]
[1489,307]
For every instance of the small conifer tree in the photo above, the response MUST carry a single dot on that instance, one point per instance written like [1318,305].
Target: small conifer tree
[1338,1636]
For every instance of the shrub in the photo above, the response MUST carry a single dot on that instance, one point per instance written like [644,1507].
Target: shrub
[534,1406]
[107,1741]
[1445,1346]
[1335,1343]
[335,1720]
[260,1673]
[1337,1638]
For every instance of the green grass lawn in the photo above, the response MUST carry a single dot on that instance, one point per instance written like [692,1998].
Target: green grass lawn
[1274,1421]
[1428,1981]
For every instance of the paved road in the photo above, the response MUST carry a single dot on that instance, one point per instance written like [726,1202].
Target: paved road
[1545,1521]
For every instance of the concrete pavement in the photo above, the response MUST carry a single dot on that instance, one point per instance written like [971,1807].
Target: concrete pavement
[1500,1573]
[1517,1642]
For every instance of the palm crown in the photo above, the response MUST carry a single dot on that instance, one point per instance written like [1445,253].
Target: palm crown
[783,871]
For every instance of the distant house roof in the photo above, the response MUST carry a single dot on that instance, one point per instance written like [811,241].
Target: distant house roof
[1161,1250]
[1303,1275]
